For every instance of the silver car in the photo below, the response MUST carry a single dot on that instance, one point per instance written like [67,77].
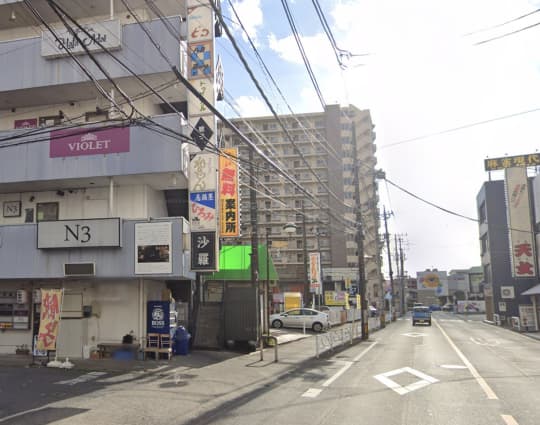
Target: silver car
[300,317]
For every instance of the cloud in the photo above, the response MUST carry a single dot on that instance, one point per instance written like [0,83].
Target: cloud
[251,15]
[250,106]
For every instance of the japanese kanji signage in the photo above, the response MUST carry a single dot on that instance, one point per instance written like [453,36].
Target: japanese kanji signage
[51,307]
[201,133]
[519,219]
[529,160]
[203,251]
[202,210]
[203,173]
[205,87]
[228,194]
[315,272]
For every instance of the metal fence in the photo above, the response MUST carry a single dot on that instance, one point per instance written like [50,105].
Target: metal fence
[345,334]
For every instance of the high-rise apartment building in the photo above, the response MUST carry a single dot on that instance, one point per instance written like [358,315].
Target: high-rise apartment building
[321,160]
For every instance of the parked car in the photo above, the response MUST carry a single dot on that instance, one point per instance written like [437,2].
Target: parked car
[300,317]
[448,307]
[421,315]
[435,307]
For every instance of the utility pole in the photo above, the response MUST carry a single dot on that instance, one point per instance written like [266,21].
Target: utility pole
[254,240]
[304,244]
[401,260]
[387,239]
[398,272]
[360,241]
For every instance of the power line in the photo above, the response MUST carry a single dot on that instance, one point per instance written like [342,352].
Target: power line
[507,34]
[503,23]
[462,127]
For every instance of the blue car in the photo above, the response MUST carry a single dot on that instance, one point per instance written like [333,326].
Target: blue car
[435,307]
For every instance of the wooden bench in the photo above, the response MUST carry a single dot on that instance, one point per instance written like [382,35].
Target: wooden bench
[107,349]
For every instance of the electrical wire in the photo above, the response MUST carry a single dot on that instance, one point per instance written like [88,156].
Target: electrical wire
[503,23]
[507,34]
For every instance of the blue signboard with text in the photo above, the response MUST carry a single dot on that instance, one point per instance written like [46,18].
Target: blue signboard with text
[157,320]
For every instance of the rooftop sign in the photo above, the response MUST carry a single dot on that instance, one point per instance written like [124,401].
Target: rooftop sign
[528,160]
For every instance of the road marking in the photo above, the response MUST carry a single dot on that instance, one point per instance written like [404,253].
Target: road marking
[83,378]
[414,334]
[481,381]
[482,341]
[16,415]
[453,366]
[425,380]
[312,392]
[509,419]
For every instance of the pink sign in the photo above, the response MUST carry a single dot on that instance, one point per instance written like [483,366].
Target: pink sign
[80,141]
[28,123]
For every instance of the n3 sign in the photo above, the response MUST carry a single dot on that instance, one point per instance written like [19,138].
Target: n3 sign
[79,233]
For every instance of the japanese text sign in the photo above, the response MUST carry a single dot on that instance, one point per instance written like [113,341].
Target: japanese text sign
[529,160]
[203,251]
[51,307]
[228,193]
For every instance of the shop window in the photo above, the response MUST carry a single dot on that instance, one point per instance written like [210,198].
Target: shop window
[47,211]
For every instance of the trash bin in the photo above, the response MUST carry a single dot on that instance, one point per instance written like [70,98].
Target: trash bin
[181,341]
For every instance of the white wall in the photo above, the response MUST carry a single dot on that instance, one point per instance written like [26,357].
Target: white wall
[130,202]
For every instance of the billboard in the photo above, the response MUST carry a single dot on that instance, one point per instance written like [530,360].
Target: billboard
[228,194]
[519,222]
[434,280]
[529,160]
[153,248]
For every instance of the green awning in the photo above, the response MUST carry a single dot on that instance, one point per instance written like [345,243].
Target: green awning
[235,264]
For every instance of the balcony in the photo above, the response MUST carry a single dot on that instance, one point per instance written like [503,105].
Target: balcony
[20,257]
[90,156]
[30,79]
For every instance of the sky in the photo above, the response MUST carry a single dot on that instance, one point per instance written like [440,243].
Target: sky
[423,76]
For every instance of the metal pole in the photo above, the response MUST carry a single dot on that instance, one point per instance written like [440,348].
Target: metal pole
[402,277]
[304,243]
[254,241]
[360,241]
[267,287]
[387,239]
[398,272]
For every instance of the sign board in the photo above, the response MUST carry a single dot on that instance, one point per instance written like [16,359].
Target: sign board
[529,160]
[202,210]
[51,307]
[108,33]
[26,123]
[95,141]
[527,317]
[229,207]
[79,233]
[204,251]
[519,219]
[153,248]
[205,87]
[435,280]
[335,298]
[203,173]
[158,317]
[315,272]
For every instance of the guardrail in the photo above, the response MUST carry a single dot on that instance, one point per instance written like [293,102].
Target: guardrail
[345,334]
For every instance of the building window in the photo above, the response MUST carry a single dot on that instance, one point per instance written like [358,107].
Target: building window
[299,244]
[482,212]
[47,211]
[300,257]
[298,218]
[266,178]
[296,164]
[267,205]
[265,126]
[297,204]
[484,244]
[268,217]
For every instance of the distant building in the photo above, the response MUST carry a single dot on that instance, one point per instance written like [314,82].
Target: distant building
[326,143]
[505,276]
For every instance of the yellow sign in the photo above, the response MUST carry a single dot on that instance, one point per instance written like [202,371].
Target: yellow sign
[529,160]
[336,298]
[51,306]
[229,220]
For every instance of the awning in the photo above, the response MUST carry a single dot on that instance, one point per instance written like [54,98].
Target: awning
[535,290]
[235,264]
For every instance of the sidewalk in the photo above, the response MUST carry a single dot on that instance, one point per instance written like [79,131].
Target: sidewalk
[196,358]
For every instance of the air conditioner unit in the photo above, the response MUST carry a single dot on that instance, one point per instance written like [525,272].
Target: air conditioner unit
[507,292]
[79,269]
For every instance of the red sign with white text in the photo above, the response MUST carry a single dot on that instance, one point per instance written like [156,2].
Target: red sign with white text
[78,142]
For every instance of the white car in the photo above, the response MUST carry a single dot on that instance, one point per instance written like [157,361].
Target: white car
[300,317]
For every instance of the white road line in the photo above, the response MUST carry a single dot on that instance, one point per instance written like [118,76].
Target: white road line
[312,392]
[509,419]
[347,366]
[16,415]
[481,381]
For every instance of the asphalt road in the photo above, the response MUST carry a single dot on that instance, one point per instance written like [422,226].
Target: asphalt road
[455,372]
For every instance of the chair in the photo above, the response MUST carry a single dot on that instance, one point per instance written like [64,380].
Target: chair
[152,345]
[165,345]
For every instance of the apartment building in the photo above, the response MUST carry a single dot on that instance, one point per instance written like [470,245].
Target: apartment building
[324,167]
[93,175]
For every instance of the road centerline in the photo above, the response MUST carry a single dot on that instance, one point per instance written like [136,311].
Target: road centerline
[479,379]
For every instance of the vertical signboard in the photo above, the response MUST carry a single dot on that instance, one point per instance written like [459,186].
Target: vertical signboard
[51,307]
[519,222]
[228,194]
[153,246]
[203,185]
[157,317]
[315,272]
